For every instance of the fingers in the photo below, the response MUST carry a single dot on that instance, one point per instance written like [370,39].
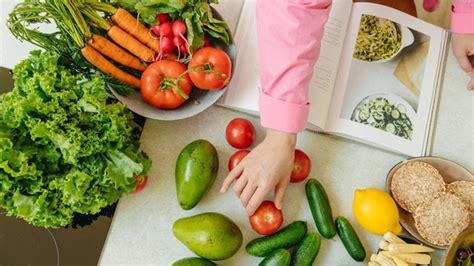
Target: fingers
[464,62]
[234,174]
[256,200]
[279,194]
[248,192]
[240,185]
[470,85]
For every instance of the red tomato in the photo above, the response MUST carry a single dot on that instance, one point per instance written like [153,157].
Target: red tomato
[267,219]
[169,94]
[212,68]
[141,183]
[301,167]
[236,158]
[240,133]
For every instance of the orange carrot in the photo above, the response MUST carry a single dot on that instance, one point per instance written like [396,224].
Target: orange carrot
[112,51]
[131,25]
[131,44]
[95,58]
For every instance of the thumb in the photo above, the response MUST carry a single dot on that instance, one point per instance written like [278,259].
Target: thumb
[279,194]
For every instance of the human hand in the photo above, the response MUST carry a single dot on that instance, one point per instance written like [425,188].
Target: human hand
[463,47]
[266,168]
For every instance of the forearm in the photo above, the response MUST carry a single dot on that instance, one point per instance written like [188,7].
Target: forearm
[289,36]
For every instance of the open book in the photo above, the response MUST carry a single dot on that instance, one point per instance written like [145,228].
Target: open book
[376,79]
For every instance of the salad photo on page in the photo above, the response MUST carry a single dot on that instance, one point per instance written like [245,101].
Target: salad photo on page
[397,53]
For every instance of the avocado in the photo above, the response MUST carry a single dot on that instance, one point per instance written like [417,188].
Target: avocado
[196,171]
[209,235]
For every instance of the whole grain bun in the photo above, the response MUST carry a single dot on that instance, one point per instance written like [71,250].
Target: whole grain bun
[440,220]
[415,183]
[465,191]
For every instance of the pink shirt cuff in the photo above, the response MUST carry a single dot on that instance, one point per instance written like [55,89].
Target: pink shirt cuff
[282,115]
[462,22]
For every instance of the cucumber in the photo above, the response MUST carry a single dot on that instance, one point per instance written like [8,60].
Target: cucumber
[194,262]
[285,238]
[320,208]
[279,257]
[306,251]
[350,239]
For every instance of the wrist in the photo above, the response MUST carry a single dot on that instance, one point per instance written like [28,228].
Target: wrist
[282,137]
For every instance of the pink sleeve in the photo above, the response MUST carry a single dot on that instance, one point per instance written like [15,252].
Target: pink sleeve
[289,36]
[462,16]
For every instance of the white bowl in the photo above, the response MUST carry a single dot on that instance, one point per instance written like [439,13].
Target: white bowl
[198,101]
[407,39]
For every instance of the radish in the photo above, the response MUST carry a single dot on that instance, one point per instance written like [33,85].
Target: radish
[156,29]
[207,42]
[183,49]
[166,45]
[179,28]
[162,18]
[178,41]
[166,29]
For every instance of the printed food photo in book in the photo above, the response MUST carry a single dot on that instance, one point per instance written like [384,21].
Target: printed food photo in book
[387,74]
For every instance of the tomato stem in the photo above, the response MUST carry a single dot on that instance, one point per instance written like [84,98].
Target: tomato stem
[173,84]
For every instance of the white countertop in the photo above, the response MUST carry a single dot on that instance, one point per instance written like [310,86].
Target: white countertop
[141,230]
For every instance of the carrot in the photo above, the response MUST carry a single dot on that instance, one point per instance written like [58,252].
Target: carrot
[131,44]
[131,25]
[112,51]
[95,58]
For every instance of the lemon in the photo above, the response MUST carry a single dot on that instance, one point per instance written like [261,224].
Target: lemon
[376,211]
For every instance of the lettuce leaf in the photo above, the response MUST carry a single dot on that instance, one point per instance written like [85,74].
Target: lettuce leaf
[64,149]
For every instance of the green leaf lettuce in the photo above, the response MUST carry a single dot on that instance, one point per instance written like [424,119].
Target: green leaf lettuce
[64,149]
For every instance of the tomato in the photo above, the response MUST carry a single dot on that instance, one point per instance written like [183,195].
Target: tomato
[301,167]
[267,219]
[240,133]
[212,68]
[236,158]
[159,86]
[141,183]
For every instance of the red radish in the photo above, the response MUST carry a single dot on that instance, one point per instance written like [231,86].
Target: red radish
[162,18]
[178,41]
[156,29]
[183,49]
[179,28]
[166,45]
[166,29]
[207,42]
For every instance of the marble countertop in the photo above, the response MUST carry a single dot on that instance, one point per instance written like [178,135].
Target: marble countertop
[141,231]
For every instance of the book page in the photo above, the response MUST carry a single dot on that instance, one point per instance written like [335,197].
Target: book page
[323,81]
[243,90]
[387,79]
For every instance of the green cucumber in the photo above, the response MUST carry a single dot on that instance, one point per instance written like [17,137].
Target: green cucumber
[285,238]
[194,262]
[320,208]
[306,251]
[350,239]
[279,257]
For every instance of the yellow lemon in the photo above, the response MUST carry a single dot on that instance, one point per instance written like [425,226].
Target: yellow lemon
[376,211]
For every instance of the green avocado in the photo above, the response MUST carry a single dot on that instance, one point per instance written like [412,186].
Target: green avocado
[209,235]
[196,171]
[193,262]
